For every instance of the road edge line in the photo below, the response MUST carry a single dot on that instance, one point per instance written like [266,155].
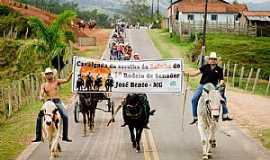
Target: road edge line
[149,146]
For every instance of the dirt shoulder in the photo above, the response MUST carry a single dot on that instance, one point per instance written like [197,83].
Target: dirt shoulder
[251,112]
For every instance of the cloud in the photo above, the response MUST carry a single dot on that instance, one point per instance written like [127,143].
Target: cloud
[249,1]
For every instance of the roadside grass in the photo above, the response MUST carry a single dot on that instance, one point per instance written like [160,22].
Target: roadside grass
[174,48]
[265,138]
[241,49]
[16,133]
[259,90]
[226,45]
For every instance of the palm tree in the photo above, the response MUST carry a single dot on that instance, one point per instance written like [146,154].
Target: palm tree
[49,42]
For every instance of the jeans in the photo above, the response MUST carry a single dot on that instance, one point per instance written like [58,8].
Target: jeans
[59,104]
[195,99]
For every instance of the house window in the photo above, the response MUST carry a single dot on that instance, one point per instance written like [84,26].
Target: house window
[190,17]
[237,17]
[214,17]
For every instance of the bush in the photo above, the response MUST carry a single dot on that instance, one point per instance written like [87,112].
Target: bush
[4,10]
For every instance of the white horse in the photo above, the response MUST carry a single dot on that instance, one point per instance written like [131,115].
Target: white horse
[209,109]
[52,127]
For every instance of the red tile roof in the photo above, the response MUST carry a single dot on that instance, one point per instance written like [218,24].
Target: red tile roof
[214,6]
[256,13]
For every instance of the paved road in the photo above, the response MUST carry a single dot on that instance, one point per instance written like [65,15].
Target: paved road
[166,140]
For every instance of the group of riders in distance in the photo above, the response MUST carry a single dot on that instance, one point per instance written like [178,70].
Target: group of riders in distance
[135,107]
[81,24]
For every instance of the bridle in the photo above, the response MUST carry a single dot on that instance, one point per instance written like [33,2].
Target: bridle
[53,117]
[208,108]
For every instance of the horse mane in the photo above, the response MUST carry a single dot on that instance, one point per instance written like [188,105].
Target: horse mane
[49,105]
[208,87]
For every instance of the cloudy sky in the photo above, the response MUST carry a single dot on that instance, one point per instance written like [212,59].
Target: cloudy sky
[253,1]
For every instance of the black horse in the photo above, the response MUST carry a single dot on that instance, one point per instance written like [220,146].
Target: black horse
[109,84]
[88,104]
[89,82]
[92,25]
[136,114]
[98,83]
[81,24]
[79,83]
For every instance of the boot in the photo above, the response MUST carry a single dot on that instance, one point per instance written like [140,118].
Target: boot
[194,121]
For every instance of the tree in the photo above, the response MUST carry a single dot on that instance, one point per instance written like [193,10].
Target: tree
[235,2]
[49,42]
[138,11]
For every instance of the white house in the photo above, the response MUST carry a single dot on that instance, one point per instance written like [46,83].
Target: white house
[219,11]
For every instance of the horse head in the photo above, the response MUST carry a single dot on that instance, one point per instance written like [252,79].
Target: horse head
[51,114]
[213,100]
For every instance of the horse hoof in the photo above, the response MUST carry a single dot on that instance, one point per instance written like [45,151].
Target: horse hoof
[213,143]
[59,148]
[138,148]
[210,156]
[205,157]
[134,144]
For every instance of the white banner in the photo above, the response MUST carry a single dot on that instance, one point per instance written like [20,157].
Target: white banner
[146,76]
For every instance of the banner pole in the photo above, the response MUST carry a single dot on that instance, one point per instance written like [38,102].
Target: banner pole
[184,103]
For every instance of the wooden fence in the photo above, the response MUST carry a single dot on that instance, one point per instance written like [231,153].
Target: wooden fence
[186,28]
[246,78]
[22,92]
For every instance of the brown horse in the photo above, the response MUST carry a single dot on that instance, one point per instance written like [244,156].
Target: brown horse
[88,104]
[81,24]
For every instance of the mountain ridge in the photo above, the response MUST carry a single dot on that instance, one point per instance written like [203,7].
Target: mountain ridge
[110,6]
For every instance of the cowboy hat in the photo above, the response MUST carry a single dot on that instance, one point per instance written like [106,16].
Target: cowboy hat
[213,55]
[49,70]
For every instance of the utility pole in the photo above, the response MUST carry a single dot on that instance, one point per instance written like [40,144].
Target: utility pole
[157,7]
[204,35]
[152,11]
[171,18]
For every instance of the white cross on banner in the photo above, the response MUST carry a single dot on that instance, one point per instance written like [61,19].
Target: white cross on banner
[145,76]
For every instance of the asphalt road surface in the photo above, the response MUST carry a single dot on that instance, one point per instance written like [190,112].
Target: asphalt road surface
[166,140]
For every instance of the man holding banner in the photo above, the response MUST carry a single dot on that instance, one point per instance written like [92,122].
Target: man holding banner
[211,73]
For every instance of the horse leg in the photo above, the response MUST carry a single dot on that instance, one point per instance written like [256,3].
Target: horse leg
[59,147]
[89,119]
[203,133]
[84,123]
[132,136]
[138,138]
[50,148]
[93,115]
[213,130]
